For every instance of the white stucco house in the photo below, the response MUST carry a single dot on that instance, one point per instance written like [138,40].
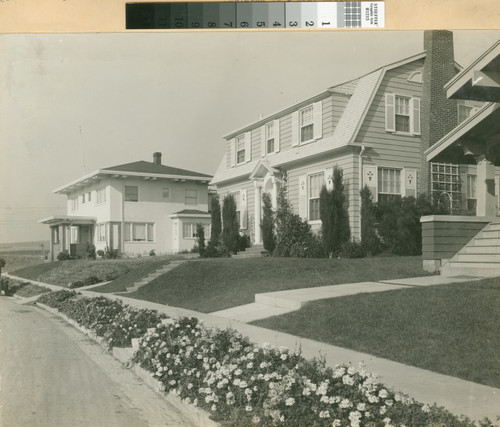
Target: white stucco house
[132,208]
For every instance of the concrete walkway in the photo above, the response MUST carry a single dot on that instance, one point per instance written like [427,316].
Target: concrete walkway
[458,396]
[277,303]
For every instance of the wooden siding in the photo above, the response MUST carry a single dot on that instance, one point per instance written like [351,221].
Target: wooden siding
[443,239]
[386,148]
[350,167]
[333,107]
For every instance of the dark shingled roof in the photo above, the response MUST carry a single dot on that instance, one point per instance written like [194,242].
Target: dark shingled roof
[149,167]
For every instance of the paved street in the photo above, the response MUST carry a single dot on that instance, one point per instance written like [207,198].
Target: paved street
[52,375]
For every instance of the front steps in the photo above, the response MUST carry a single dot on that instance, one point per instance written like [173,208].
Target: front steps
[479,257]
[253,252]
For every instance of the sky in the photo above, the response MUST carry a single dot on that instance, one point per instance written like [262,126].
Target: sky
[74,103]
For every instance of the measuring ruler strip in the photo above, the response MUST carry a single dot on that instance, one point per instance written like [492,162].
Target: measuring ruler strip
[263,15]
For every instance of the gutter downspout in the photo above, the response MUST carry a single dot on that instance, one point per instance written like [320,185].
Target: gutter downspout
[362,151]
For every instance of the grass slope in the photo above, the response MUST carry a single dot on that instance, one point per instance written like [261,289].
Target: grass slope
[64,272]
[450,329]
[216,284]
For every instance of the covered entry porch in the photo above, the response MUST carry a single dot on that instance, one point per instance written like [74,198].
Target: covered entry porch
[69,234]
[446,239]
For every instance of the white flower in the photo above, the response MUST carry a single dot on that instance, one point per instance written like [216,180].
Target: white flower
[290,401]
[387,422]
[248,408]
[263,365]
[213,408]
[243,384]
[250,364]
[351,371]
[383,410]
[256,420]
[389,402]
[324,414]
[346,403]
[347,380]
[238,372]
[383,393]
[336,423]
[354,417]
[361,407]
[426,408]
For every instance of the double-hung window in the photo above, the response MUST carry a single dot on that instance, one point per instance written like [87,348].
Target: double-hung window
[270,138]
[471,192]
[314,184]
[306,124]
[139,232]
[191,197]
[188,230]
[240,149]
[402,114]
[389,183]
[131,193]
[101,232]
[101,195]
[74,203]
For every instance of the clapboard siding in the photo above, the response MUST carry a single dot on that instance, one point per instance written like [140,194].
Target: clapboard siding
[443,239]
[391,149]
[350,167]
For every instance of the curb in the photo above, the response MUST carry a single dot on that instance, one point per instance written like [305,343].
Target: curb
[197,416]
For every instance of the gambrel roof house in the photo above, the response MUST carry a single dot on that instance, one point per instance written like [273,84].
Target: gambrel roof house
[133,208]
[375,127]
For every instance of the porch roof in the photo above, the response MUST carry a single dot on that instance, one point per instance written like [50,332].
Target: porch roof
[190,213]
[478,135]
[480,81]
[68,220]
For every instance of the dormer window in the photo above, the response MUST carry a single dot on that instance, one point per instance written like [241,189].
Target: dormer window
[306,124]
[240,149]
[402,114]
[270,138]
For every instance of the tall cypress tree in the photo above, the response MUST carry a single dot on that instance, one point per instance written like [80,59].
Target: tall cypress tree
[326,216]
[230,227]
[216,226]
[267,226]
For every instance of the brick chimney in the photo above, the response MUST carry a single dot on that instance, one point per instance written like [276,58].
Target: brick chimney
[157,158]
[438,113]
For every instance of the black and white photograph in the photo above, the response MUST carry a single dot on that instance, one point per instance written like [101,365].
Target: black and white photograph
[269,228]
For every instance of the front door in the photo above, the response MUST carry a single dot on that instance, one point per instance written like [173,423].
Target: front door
[175,236]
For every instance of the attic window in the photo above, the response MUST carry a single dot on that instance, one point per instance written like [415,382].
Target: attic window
[415,77]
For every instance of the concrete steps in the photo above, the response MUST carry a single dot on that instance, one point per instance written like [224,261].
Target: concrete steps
[151,276]
[480,257]
[252,252]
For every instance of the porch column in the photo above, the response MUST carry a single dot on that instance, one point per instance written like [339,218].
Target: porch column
[258,201]
[485,188]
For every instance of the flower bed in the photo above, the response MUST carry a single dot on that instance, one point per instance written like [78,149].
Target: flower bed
[242,384]
[31,290]
[110,319]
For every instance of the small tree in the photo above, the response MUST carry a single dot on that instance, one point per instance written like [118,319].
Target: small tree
[334,215]
[267,226]
[369,239]
[200,237]
[216,226]
[2,265]
[230,226]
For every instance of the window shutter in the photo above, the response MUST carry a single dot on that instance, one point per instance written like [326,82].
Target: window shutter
[276,136]
[295,128]
[303,196]
[243,209]
[390,118]
[263,141]
[329,178]
[318,119]
[370,179]
[248,146]
[415,116]
[410,183]
[233,151]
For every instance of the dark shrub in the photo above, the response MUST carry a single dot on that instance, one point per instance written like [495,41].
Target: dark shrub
[369,239]
[91,254]
[200,239]
[216,251]
[216,222]
[352,249]
[55,299]
[63,256]
[152,252]
[244,242]
[76,284]
[100,252]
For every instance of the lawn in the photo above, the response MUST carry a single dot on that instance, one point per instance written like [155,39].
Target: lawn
[64,272]
[450,329]
[216,284]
